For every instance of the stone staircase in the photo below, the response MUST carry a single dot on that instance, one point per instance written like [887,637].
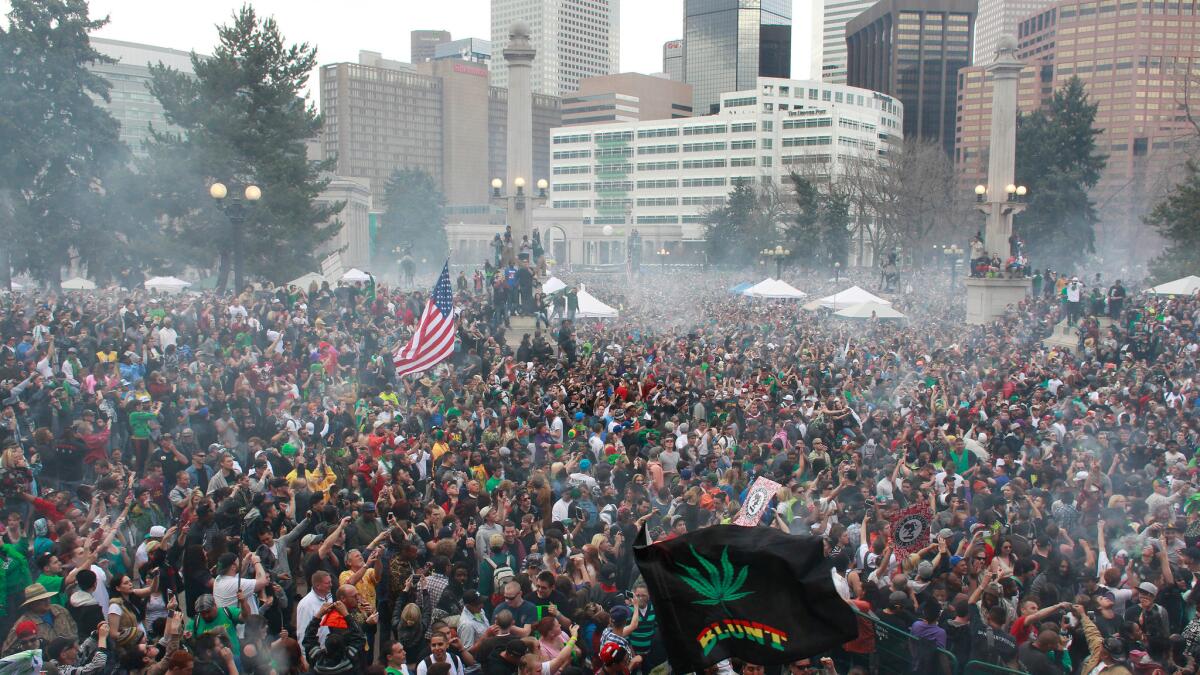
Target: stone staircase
[521,326]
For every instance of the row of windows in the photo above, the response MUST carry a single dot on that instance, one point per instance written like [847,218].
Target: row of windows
[651,220]
[703,182]
[742,127]
[711,146]
[741,161]
[571,170]
[742,145]
[657,133]
[716,163]
[658,166]
[808,123]
[621,185]
[614,168]
[657,184]
[572,203]
[702,201]
[613,152]
[657,149]
[705,130]
[573,138]
[571,187]
[610,136]
[658,201]
[805,159]
[798,141]
[572,154]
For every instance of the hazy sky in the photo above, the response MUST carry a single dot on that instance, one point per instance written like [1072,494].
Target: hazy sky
[340,28]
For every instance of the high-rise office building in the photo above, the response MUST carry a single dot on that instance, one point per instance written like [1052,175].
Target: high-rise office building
[435,117]
[627,97]
[834,17]
[913,49]
[573,39]
[424,42]
[1134,59]
[131,102]
[729,44]
[672,62]
[996,18]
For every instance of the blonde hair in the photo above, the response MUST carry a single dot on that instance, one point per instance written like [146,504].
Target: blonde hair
[411,614]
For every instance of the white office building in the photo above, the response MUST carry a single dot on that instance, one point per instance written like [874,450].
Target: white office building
[662,176]
[574,39]
[1000,17]
[836,14]
[130,101]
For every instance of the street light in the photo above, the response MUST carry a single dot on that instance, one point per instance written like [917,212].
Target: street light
[662,256]
[542,184]
[496,185]
[235,210]
[953,253]
[778,253]
[980,192]
[837,272]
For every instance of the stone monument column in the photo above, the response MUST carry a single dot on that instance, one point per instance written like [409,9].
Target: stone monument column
[988,298]
[519,142]
[1002,151]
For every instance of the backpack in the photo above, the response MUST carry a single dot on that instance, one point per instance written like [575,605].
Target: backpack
[456,665]
[501,574]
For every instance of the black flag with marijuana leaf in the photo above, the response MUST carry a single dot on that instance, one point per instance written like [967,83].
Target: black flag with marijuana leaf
[753,593]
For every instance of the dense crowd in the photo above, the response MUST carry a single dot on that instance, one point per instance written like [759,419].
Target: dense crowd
[240,484]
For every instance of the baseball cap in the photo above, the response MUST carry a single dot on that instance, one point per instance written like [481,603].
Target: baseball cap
[1147,587]
[310,539]
[156,532]
[620,615]
[483,513]
[25,630]
[897,598]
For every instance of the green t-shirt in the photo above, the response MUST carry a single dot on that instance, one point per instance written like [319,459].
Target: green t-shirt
[139,423]
[54,585]
[227,618]
[16,573]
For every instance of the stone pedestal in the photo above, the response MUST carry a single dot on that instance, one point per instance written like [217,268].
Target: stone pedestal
[988,298]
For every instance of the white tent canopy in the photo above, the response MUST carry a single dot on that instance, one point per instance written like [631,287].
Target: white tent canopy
[1185,286]
[591,308]
[553,285]
[166,284]
[865,310]
[355,275]
[847,298]
[774,288]
[79,284]
[305,281]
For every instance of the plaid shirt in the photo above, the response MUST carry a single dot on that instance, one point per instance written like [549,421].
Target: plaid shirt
[429,593]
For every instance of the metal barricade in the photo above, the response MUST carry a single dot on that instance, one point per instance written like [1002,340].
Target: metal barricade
[898,651]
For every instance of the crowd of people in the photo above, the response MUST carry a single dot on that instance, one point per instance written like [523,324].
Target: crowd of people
[240,484]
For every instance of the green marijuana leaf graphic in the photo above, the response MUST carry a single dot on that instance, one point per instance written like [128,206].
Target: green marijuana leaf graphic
[717,586]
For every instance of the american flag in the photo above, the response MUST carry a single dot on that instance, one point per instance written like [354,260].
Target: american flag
[433,340]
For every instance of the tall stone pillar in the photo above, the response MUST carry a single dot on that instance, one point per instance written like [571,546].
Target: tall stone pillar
[1002,151]
[519,55]
[987,298]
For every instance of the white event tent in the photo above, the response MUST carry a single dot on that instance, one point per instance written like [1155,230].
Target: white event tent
[847,298]
[590,307]
[1185,286]
[166,284]
[865,310]
[774,288]
[355,275]
[553,285]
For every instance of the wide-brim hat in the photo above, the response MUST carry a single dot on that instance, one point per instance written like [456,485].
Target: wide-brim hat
[35,592]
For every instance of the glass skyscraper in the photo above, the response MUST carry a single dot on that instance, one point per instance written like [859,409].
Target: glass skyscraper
[728,44]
